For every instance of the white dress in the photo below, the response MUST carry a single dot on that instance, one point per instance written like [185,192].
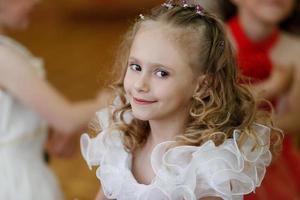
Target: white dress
[24,175]
[184,172]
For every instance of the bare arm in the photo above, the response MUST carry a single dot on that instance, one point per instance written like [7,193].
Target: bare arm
[279,82]
[211,198]
[288,119]
[19,79]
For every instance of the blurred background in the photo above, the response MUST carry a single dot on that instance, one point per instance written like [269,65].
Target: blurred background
[77,40]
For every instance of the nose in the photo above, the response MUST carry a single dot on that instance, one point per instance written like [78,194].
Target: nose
[142,84]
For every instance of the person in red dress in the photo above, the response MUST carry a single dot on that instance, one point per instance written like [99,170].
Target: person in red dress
[269,57]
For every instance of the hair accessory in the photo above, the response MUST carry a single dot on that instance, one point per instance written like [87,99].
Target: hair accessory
[222,44]
[199,10]
[185,4]
[168,4]
[142,17]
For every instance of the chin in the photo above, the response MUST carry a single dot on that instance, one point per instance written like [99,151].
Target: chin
[271,20]
[275,18]
[144,115]
[140,116]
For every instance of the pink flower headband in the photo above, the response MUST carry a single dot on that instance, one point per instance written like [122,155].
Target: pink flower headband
[171,4]
[199,9]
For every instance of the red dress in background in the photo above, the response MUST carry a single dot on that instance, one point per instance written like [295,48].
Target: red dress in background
[282,180]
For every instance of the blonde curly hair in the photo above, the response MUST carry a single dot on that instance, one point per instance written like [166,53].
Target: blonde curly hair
[222,105]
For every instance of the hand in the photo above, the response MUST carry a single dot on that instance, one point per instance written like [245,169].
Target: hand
[61,145]
[277,84]
[284,76]
[104,97]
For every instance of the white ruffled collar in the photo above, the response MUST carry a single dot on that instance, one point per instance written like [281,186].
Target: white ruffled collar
[179,170]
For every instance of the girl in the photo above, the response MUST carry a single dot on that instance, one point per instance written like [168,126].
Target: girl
[269,56]
[181,126]
[27,104]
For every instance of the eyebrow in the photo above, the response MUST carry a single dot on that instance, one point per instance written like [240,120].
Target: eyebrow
[155,64]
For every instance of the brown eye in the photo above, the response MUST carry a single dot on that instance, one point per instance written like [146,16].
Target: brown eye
[162,74]
[135,67]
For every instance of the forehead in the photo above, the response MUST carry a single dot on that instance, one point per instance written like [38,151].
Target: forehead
[162,42]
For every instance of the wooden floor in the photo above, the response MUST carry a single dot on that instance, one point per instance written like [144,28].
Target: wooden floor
[78,54]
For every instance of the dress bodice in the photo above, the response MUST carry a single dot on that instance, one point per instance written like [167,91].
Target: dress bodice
[253,56]
[24,175]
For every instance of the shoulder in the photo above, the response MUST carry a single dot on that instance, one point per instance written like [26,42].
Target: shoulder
[289,43]
[286,51]
[225,171]
[10,58]
[292,46]
[6,51]
[234,170]
[13,67]
[107,141]
[290,38]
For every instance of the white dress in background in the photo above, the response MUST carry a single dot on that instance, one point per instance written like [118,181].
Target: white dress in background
[183,172]
[24,175]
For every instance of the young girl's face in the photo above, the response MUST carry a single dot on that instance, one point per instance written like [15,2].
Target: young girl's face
[268,11]
[15,13]
[158,82]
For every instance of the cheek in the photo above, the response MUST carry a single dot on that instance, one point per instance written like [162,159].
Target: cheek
[174,93]
[23,9]
[128,82]
[253,5]
[16,14]
[162,89]
[8,11]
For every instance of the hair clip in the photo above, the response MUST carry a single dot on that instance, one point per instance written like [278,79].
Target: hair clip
[222,43]
[142,17]
[199,10]
[168,4]
[185,4]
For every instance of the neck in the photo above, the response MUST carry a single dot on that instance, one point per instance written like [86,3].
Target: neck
[166,129]
[255,28]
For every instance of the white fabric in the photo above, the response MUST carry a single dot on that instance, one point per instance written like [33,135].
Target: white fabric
[183,172]
[23,173]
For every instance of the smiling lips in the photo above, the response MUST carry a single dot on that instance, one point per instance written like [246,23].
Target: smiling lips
[142,101]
